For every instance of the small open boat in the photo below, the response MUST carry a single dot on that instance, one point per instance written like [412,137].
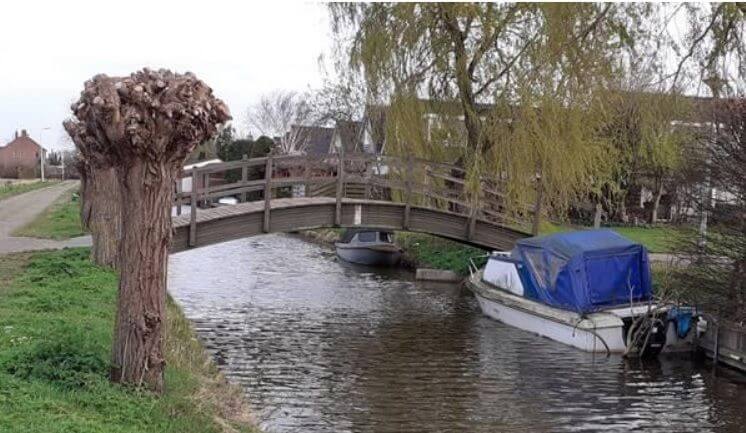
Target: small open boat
[368,247]
[589,289]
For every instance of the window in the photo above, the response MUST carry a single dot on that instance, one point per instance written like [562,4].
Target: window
[386,237]
[366,237]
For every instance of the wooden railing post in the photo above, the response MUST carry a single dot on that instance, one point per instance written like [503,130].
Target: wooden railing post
[267,193]
[472,225]
[193,209]
[340,188]
[306,178]
[208,200]
[408,191]
[537,205]
[244,175]
[178,196]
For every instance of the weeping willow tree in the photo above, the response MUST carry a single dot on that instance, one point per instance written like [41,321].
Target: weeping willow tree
[524,82]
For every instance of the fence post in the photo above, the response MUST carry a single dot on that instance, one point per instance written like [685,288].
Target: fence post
[306,178]
[244,176]
[537,205]
[208,200]
[408,191]
[473,217]
[193,209]
[340,187]
[178,196]
[267,192]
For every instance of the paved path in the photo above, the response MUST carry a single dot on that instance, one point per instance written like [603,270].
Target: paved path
[19,210]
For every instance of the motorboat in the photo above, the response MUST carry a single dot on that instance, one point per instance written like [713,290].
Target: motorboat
[588,289]
[368,247]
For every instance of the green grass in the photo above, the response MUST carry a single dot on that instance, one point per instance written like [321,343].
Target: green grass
[422,250]
[59,221]
[56,322]
[12,189]
[657,239]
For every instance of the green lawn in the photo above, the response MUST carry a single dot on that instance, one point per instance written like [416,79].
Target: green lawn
[658,239]
[59,221]
[8,190]
[56,322]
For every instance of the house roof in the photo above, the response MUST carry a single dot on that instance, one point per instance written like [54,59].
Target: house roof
[316,140]
[349,134]
[20,139]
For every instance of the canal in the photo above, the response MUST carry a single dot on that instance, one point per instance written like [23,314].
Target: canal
[324,346]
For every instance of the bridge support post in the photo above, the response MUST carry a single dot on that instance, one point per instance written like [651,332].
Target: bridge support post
[407,192]
[267,193]
[193,209]
[340,187]
[244,176]
[208,200]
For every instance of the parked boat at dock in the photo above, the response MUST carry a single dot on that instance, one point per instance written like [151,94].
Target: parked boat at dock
[590,289]
[368,247]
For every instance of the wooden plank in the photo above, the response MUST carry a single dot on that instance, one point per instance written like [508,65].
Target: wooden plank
[267,193]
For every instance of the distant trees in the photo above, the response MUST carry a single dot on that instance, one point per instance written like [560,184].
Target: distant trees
[274,116]
[718,276]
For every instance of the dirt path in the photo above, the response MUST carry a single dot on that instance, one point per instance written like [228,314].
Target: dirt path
[19,210]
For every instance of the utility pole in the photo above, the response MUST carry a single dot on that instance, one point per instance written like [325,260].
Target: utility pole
[43,152]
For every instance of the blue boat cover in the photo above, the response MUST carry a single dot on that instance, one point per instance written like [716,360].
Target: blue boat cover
[585,271]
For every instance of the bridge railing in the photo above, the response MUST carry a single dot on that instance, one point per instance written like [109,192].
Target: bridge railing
[410,181]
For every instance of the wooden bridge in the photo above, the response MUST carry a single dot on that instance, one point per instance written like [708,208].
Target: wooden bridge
[291,193]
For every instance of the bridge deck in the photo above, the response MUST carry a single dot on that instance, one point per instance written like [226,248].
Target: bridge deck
[226,223]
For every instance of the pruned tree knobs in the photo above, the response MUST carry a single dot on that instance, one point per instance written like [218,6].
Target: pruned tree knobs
[151,115]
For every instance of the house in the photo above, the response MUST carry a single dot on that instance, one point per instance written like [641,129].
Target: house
[21,157]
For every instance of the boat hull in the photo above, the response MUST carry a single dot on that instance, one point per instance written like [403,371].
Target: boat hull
[378,255]
[583,339]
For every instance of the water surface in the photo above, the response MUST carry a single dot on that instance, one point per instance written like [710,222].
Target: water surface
[324,346]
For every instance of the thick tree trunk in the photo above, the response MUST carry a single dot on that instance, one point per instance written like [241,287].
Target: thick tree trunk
[138,335]
[656,204]
[597,216]
[104,215]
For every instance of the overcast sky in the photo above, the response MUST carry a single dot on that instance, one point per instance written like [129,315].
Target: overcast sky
[242,49]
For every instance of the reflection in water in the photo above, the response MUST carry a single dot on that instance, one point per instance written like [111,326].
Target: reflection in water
[324,346]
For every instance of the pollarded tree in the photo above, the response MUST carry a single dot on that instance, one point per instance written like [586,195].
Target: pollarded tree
[144,126]
[101,208]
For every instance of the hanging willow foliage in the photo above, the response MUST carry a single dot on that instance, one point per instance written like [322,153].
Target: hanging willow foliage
[516,89]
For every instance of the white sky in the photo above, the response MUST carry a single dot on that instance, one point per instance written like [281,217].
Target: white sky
[242,49]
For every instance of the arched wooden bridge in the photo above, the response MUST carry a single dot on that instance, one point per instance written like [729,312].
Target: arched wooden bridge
[291,193]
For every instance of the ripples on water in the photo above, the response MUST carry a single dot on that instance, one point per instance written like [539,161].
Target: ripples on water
[324,346]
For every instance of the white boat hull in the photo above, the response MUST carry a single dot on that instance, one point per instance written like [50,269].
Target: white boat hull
[588,340]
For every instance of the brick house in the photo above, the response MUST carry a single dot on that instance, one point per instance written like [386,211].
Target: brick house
[20,158]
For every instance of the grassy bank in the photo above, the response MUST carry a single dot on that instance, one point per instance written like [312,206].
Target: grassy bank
[657,239]
[59,221]
[56,321]
[9,190]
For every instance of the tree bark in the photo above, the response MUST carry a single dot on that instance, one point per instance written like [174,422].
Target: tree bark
[597,216]
[104,215]
[656,204]
[138,336]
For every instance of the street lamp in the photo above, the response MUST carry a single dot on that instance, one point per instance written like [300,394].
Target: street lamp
[43,152]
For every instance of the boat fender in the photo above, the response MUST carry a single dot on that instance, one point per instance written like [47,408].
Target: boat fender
[682,318]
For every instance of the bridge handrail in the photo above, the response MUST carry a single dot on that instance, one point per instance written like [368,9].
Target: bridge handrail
[409,180]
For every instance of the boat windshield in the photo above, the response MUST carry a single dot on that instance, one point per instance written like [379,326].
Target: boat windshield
[366,237]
